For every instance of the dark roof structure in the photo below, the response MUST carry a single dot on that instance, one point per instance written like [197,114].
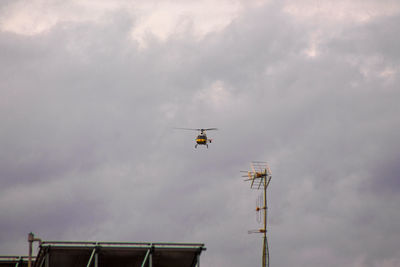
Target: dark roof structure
[121,254]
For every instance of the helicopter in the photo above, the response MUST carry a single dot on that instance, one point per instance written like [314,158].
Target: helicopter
[201,139]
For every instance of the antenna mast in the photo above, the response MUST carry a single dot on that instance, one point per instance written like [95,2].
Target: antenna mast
[260,176]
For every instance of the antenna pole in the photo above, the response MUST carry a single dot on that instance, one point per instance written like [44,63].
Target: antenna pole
[260,176]
[265,257]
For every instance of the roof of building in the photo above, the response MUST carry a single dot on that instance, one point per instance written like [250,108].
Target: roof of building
[62,253]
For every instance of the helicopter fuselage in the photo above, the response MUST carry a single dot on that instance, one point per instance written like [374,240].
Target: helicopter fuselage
[201,139]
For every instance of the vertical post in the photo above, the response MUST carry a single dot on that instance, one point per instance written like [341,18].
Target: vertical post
[264,257]
[263,254]
[30,240]
[151,258]
[198,259]
[96,259]
[266,246]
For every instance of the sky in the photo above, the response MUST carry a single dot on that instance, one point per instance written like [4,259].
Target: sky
[91,91]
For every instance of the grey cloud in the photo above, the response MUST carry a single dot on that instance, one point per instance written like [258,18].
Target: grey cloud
[86,118]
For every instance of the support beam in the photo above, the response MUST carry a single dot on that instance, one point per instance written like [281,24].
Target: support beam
[43,260]
[145,258]
[91,257]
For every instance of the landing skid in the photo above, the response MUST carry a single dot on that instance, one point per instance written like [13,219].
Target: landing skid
[195,146]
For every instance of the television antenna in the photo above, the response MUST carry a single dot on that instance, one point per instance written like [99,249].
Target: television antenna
[260,176]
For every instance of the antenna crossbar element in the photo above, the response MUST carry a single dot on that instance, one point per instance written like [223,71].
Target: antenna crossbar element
[260,175]
[256,231]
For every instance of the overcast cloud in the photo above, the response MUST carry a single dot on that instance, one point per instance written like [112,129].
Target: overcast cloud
[90,94]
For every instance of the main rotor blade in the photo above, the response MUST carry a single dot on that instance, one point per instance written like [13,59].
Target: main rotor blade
[191,129]
[197,129]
